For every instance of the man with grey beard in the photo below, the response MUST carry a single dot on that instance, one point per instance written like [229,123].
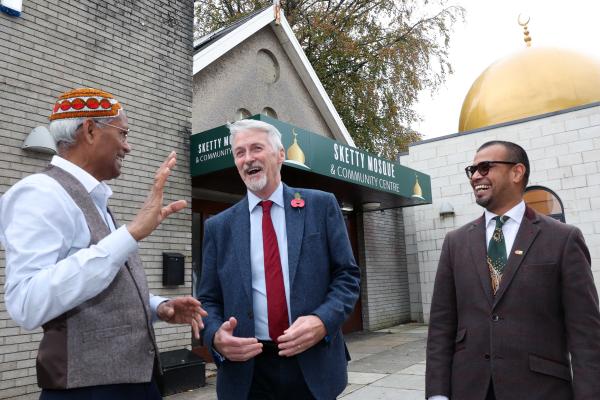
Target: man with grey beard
[278,281]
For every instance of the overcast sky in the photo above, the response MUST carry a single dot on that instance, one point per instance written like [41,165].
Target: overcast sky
[491,32]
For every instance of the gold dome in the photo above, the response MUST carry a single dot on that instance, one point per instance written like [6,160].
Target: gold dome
[531,82]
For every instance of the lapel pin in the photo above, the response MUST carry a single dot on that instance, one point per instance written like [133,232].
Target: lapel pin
[519,252]
[297,201]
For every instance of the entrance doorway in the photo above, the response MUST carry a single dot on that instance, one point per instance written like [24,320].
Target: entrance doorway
[354,321]
[201,211]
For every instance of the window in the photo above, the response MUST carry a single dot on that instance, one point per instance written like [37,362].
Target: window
[267,67]
[269,112]
[545,201]
[242,113]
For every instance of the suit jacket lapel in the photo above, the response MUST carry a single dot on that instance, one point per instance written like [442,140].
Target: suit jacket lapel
[294,223]
[242,245]
[525,237]
[479,255]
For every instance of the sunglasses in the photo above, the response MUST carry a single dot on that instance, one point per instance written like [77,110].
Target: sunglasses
[484,167]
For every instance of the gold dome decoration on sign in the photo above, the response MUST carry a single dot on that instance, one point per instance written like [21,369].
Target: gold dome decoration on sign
[417,191]
[295,155]
[530,82]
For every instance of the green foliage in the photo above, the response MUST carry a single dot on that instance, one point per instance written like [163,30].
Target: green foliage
[372,56]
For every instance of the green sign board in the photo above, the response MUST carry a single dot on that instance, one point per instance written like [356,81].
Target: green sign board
[211,151]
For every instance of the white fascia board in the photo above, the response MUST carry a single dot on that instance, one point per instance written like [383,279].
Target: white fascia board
[310,79]
[217,49]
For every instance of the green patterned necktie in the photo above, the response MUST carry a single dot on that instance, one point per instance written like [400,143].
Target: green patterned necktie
[496,256]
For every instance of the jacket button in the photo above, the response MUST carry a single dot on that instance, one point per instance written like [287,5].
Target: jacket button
[486,356]
[250,315]
[495,318]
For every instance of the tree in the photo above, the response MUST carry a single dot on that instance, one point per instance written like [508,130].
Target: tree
[372,56]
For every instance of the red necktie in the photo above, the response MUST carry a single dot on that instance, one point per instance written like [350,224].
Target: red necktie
[276,303]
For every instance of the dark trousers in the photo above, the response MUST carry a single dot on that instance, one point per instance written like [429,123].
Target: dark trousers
[277,378]
[491,395]
[126,391]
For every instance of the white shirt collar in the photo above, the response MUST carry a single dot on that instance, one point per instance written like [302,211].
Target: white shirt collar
[88,181]
[516,213]
[276,197]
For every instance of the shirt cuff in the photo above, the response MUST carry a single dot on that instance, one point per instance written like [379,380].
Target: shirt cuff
[120,244]
[154,302]
[438,398]
[218,356]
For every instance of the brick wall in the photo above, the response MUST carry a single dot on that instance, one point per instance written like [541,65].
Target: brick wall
[385,289]
[139,50]
[564,152]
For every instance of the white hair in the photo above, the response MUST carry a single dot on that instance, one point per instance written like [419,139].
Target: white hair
[64,131]
[252,124]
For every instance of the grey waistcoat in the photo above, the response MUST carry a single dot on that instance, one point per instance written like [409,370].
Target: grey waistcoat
[108,339]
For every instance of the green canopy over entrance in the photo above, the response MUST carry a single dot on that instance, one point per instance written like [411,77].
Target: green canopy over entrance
[356,177]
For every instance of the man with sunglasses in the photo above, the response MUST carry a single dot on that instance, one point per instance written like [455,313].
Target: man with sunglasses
[514,313]
[71,270]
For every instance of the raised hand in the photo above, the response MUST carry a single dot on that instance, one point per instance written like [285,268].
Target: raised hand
[153,212]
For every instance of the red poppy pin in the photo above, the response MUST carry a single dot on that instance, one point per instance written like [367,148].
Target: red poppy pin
[297,201]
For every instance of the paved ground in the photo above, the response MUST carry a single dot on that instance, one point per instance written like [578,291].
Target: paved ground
[387,364]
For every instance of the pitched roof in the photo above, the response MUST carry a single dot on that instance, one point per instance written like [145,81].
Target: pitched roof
[215,35]
[212,46]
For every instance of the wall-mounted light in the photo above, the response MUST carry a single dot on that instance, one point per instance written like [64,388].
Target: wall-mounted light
[347,207]
[40,140]
[12,7]
[446,209]
[371,206]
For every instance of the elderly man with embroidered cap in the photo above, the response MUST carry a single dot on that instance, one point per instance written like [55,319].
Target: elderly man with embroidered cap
[72,270]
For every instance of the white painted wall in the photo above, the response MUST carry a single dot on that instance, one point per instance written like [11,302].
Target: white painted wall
[564,152]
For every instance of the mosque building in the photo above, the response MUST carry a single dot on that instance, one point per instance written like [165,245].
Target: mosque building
[547,100]
[179,94]
[255,68]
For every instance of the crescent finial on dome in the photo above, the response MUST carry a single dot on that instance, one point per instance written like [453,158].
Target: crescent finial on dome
[531,82]
[523,22]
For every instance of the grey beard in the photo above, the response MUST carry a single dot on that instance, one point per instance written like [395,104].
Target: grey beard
[256,185]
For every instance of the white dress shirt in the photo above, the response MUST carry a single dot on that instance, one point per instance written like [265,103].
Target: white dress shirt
[510,227]
[259,290]
[509,230]
[50,267]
